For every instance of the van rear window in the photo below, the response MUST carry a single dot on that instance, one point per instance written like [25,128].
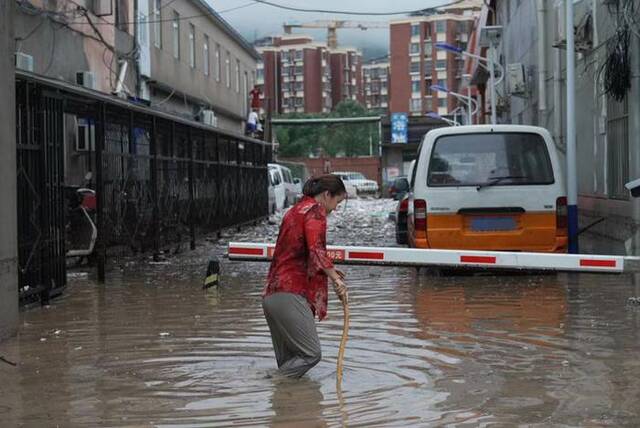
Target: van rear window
[485,159]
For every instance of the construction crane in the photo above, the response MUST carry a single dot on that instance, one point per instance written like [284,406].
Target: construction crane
[333,25]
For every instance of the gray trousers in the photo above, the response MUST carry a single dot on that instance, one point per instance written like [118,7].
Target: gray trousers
[293,333]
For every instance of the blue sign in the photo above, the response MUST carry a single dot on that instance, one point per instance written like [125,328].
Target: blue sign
[399,123]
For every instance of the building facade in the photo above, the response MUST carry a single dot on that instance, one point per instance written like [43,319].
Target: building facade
[82,42]
[376,77]
[346,75]
[416,64]
[298,75]
[192,61]
[534,93]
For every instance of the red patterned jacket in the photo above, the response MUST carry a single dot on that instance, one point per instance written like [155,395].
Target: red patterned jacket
[300,256]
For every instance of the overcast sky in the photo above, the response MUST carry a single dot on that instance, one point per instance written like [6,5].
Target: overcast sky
[259,20]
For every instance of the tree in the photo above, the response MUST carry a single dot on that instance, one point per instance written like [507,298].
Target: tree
[332,140]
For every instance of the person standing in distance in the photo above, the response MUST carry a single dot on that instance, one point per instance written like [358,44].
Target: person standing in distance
[296,290]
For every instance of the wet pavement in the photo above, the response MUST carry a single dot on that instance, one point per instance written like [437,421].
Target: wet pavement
[151,348]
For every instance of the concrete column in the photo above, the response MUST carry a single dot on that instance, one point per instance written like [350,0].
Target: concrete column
[8,207]
[633,244]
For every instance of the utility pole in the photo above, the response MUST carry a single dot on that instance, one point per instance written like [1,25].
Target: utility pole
[572,179]
[8,208]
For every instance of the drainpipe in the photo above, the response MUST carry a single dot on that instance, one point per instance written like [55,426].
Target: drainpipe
[557,98]
[542,61]
[136,48]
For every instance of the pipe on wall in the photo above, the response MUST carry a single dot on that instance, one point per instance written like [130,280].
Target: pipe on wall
[542,59]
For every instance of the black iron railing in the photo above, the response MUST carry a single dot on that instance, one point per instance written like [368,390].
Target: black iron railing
[159,180]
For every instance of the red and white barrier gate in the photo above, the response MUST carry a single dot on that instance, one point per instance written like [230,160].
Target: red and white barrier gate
[453,258]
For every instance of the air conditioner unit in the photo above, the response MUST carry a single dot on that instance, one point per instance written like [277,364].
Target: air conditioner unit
[85,136]
[86,79]
[583,32]
[24,62]
[517,81]
[208,117]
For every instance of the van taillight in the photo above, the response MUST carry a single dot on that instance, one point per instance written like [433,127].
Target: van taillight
[561,216]
[420,214]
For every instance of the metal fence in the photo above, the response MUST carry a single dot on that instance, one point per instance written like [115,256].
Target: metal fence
[159,180]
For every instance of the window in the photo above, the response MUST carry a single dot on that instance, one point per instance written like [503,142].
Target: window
[617,148]
[237,75]
[414,48]
[428,68]
[415,67]
[218,63]
[192,46]
[415,86]
[441,64]
[477,159]
[442,102]
[441,26]
[227,69]
[416,105]
[205,55]
[245,91]
[176,35]
[298,55]
[298,70]
[428,49]
[428,84]
[443,83]
[157,23]
[415,30]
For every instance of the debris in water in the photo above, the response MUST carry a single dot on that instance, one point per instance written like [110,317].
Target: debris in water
[634,300]
[165,334]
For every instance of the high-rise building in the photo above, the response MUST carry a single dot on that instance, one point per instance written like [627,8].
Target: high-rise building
[346,75]
[416,64]
[375,76]
[294,75]
[298,75]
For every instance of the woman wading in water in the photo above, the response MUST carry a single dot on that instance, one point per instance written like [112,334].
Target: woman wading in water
[296,289]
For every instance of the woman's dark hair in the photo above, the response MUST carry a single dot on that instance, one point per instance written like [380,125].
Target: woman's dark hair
[327,182]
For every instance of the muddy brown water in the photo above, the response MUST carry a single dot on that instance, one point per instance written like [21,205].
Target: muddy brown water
[151,348]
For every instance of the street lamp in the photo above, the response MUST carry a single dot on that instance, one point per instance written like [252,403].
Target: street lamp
[434,115]
[493,34]
[471,103]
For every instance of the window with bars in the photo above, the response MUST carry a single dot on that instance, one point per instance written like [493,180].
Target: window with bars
[192,46]
[416,105]
[176,35]
[205,55]
[617,148]
[218,63]
[157,24]
[414,48]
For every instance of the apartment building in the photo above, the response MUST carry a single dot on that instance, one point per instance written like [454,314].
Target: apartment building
[376,77]
[417,64]
[298,75]
[192,61]
[346,75]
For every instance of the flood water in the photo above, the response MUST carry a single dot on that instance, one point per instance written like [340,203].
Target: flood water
[151,348]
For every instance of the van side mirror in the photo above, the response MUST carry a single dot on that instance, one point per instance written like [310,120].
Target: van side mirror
[634,188]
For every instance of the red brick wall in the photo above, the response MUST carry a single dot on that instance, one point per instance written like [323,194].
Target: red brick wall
[271,61]
[368,166]
[400,83]
[337,77]
[313,80]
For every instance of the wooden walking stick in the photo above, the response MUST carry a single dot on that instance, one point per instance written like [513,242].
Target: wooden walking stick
[343,342]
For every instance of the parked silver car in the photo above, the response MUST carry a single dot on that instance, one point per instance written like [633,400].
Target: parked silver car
[363,185]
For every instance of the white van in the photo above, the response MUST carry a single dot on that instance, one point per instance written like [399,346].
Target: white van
[291,188]
[488,187]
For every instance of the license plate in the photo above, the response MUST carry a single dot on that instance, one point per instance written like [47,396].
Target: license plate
[493,224]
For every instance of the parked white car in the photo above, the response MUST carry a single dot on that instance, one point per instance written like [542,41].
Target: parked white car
[363,185]
[291,191]
[276,186]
